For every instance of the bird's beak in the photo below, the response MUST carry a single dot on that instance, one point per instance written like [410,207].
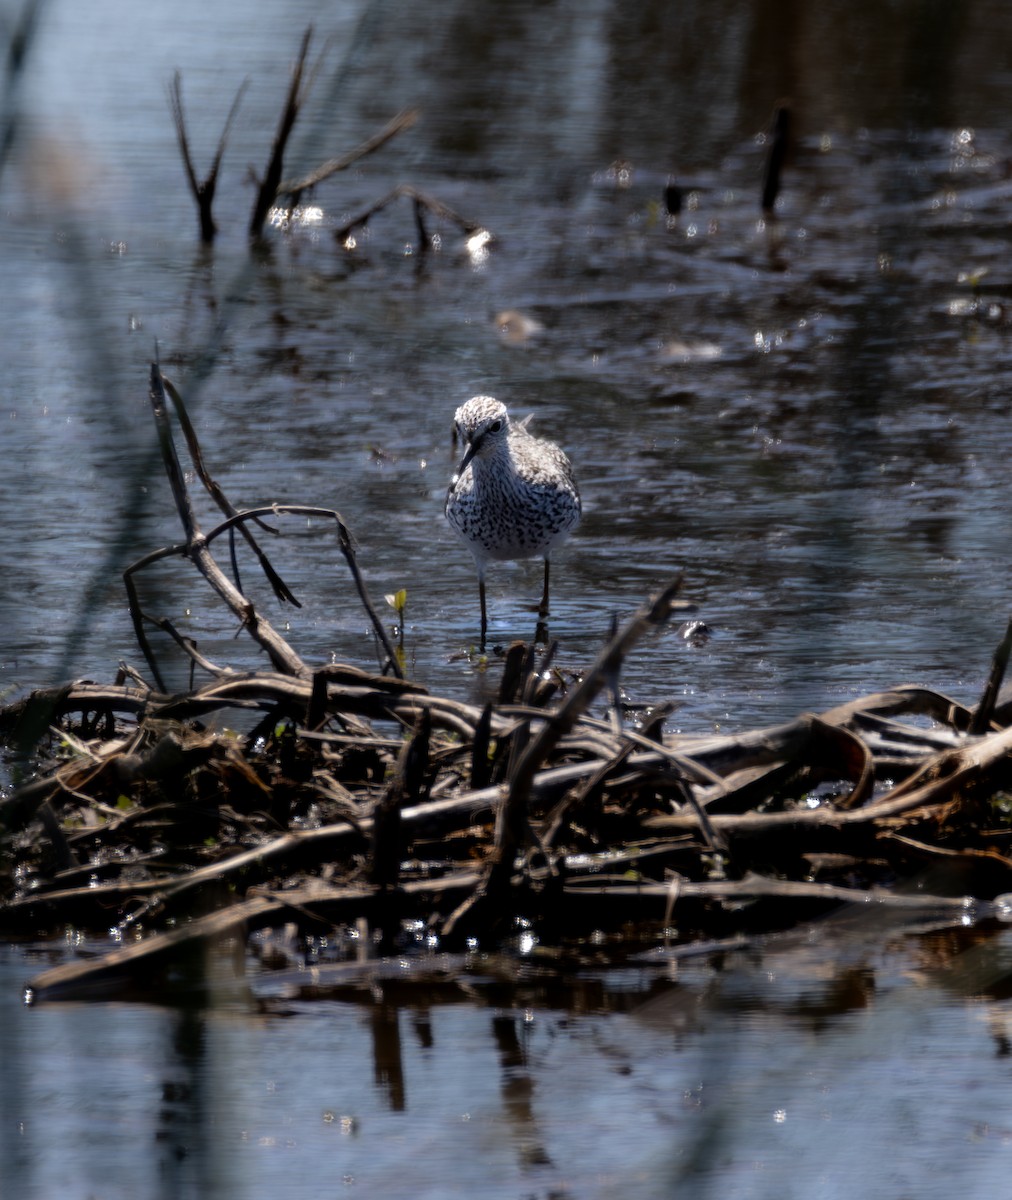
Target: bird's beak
[468,455]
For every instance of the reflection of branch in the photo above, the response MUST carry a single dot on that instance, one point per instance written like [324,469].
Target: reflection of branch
[203,192]
[294,187]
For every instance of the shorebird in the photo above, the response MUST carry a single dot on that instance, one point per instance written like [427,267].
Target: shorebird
[514,495]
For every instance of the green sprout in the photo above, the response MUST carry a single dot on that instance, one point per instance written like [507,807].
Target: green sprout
[398,601]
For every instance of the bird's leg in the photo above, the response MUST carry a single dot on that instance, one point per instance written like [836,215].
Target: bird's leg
[541,632]
[543,606]
[484,617]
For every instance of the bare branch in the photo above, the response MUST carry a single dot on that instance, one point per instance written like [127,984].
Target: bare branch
[422,202]
[294,187]
[203,190]
[985,709]
[196,549]
[267,193]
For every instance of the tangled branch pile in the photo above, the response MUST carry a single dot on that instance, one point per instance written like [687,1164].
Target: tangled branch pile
[358,800]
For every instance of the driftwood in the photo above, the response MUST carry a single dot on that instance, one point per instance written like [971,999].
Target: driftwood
[357,799]
[938,814]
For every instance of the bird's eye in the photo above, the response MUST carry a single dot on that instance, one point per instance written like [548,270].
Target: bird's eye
[495,427]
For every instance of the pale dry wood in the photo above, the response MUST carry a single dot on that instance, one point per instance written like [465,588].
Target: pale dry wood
[953,770]
[757,887]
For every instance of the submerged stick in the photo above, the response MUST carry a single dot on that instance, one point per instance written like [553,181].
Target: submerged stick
[421,202]
[776,155]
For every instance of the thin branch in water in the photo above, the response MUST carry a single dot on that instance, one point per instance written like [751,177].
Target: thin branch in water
[189,648]
[985,709]
[293,188]
[776,154]
[267,193]
[196,548]
[203,190]
[421,203]
[346,543]
[278,585]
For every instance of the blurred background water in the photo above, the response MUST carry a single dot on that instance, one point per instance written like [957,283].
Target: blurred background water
[807,416]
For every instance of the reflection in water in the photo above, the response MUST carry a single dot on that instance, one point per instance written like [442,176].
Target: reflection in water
[183,1146]
[640,1080]
[384,1021]
[517,1089]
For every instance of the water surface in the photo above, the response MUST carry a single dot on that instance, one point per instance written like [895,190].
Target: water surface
[784,1075]
[807,423]
[807,417]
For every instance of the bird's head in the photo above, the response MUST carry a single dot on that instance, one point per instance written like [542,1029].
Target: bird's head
[483,425]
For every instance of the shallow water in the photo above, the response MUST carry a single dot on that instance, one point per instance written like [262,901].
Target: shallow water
[808,418]
[824,1066]
[812,433]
